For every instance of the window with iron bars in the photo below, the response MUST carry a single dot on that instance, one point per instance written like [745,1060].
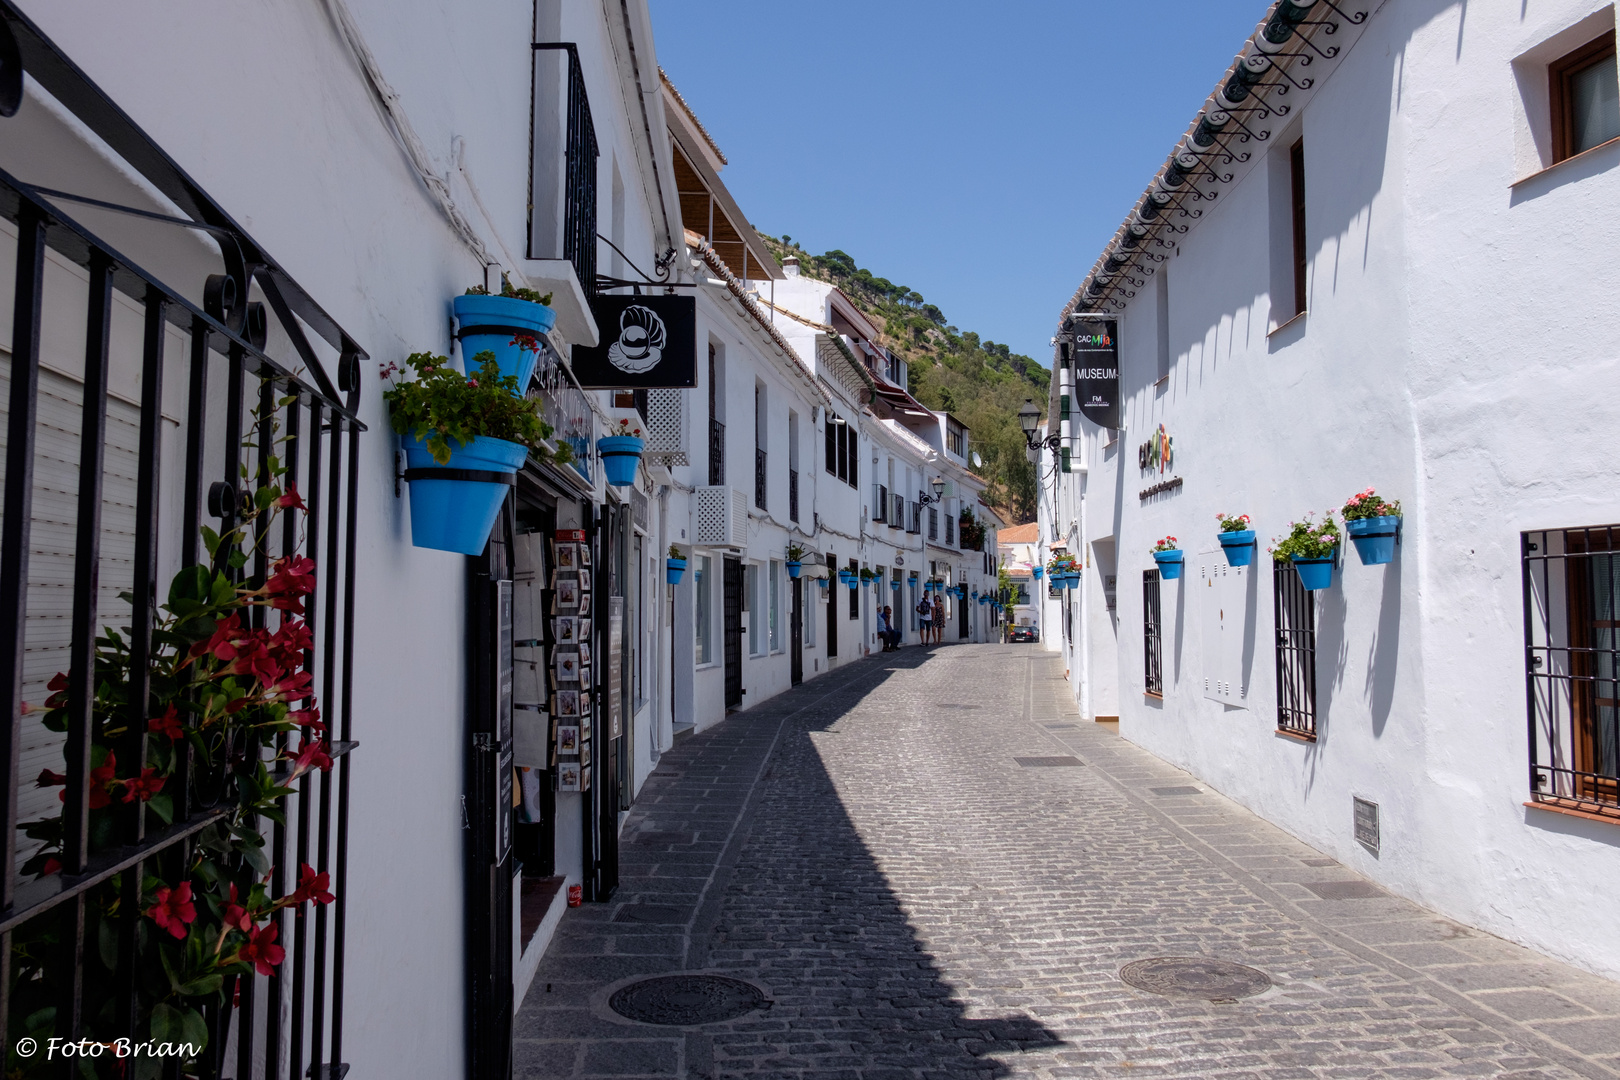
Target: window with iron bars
[880,503]
[793,494]
[1296,652]
[897,512]
[933,523]
[759,478]
[133,522]
[916,518]
[1152,643]
[1572,666]
[950,529]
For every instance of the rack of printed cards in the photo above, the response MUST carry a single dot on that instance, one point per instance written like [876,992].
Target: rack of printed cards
[553,658]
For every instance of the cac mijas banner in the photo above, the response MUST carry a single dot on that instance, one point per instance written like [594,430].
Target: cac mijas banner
[646,341]
[1096,371]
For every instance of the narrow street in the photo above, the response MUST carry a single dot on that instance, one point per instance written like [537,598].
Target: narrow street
[914,901]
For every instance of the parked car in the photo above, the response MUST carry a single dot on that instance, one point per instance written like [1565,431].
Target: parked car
[1025,632]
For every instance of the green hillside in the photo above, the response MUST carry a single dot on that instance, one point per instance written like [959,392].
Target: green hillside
[981,383]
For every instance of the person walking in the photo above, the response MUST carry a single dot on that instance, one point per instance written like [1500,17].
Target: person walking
[938,620]
[925,613]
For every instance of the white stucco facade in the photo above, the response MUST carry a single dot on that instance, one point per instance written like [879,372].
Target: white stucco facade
[1459,341]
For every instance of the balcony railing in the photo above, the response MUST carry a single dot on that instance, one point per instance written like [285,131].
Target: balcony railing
[86,868]
[759,478]
[717,453]
[793,494]
[579,173]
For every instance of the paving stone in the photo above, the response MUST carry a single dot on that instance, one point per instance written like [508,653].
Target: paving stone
[917,903]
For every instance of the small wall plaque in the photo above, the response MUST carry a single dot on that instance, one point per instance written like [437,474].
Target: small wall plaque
[1366,823]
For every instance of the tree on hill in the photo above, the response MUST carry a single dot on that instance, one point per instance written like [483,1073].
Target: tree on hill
[981,383]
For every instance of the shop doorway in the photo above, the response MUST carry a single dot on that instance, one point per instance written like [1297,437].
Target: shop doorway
[733,600]
[796,634]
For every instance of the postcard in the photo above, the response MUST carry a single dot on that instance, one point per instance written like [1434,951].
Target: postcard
[568,594]
[568,777]
[566,554]
[567,703]
[567,664]
[567,629]
[567,739]
[584,580]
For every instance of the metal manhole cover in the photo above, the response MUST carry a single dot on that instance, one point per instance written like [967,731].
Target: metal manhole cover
[649,913]
[1177,791]
[1048,762]
[680,1000]
[1195,976]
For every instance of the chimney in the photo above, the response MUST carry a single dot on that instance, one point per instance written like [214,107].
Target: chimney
[790,266]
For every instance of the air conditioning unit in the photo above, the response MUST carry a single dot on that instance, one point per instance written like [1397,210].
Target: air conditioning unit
[722,516]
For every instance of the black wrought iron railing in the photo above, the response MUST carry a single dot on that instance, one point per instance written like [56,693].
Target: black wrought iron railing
[1152,640]
[1572,666]
[759,478]
[1296,652]
[717,452]
[147,794]
[793,494]
[579,174]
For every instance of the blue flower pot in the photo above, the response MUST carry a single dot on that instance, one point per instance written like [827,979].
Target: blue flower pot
[1039,572]
[673,569]
[1239,547]
[1314,574]
[794,568]
[620,455]
[492,323]
[895,585]
[457,515]
[1374,538]
[1169,564]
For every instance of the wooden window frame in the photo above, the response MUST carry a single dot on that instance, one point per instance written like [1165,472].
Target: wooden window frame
[1561,101]
[1296,189]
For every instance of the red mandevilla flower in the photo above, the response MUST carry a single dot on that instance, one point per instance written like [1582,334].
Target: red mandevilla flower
[102,782]
[291,500]
[294,687]
[58,683]
[51,779]
[310,718]
[289,643]
[261,950]
[174,909]
[168,725]
[311,886]
[293,576]
[312,755]
[236,916]
[143,787]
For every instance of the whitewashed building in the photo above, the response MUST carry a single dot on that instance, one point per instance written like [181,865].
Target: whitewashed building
[1398,282]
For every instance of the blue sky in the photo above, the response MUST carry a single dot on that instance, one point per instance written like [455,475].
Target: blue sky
[980,153]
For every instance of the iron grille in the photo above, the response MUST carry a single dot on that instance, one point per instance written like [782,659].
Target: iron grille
[1296,652]
[933,523]
[897,512]
[950,529]
[1152,642]
[1572,666]
[793,494]
[52,924]
[579,179]
[759,478]
[880,503]
[717,453]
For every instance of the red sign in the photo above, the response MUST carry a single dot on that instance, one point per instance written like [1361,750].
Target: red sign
[570,536]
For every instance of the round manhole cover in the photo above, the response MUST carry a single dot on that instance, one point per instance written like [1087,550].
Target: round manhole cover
[679,1000]
[1195,976]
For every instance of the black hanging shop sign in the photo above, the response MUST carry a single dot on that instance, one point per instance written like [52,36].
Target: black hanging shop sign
[647,341]
[1096,370]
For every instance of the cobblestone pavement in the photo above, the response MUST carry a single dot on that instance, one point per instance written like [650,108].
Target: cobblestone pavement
[917,904]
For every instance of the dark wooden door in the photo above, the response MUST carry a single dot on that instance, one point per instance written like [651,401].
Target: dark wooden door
[733,624]
[961,617]
[796,634]
[832,607]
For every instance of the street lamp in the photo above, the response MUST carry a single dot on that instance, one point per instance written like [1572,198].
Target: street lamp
[939,492]
[1029,418]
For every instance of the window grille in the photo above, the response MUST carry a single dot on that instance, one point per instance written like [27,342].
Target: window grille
[759,479]
[1296,652]
[1572,666]
[793,494]
[717,453]
[950,529]
[933,523]
[1152,645]
[880,503]
[579,174]
[897,512]
[92,475]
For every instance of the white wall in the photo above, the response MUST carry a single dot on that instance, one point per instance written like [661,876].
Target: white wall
[1461,338]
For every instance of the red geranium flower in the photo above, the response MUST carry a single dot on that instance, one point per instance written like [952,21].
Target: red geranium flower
[143,787]
[261,950]
[174,909]
[168,724]
[311,886]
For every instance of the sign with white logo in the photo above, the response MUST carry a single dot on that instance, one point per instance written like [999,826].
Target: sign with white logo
[1096,371]
[646,341]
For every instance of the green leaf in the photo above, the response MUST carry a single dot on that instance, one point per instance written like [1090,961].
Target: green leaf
[163,807]
[208,984]
[168,1023]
